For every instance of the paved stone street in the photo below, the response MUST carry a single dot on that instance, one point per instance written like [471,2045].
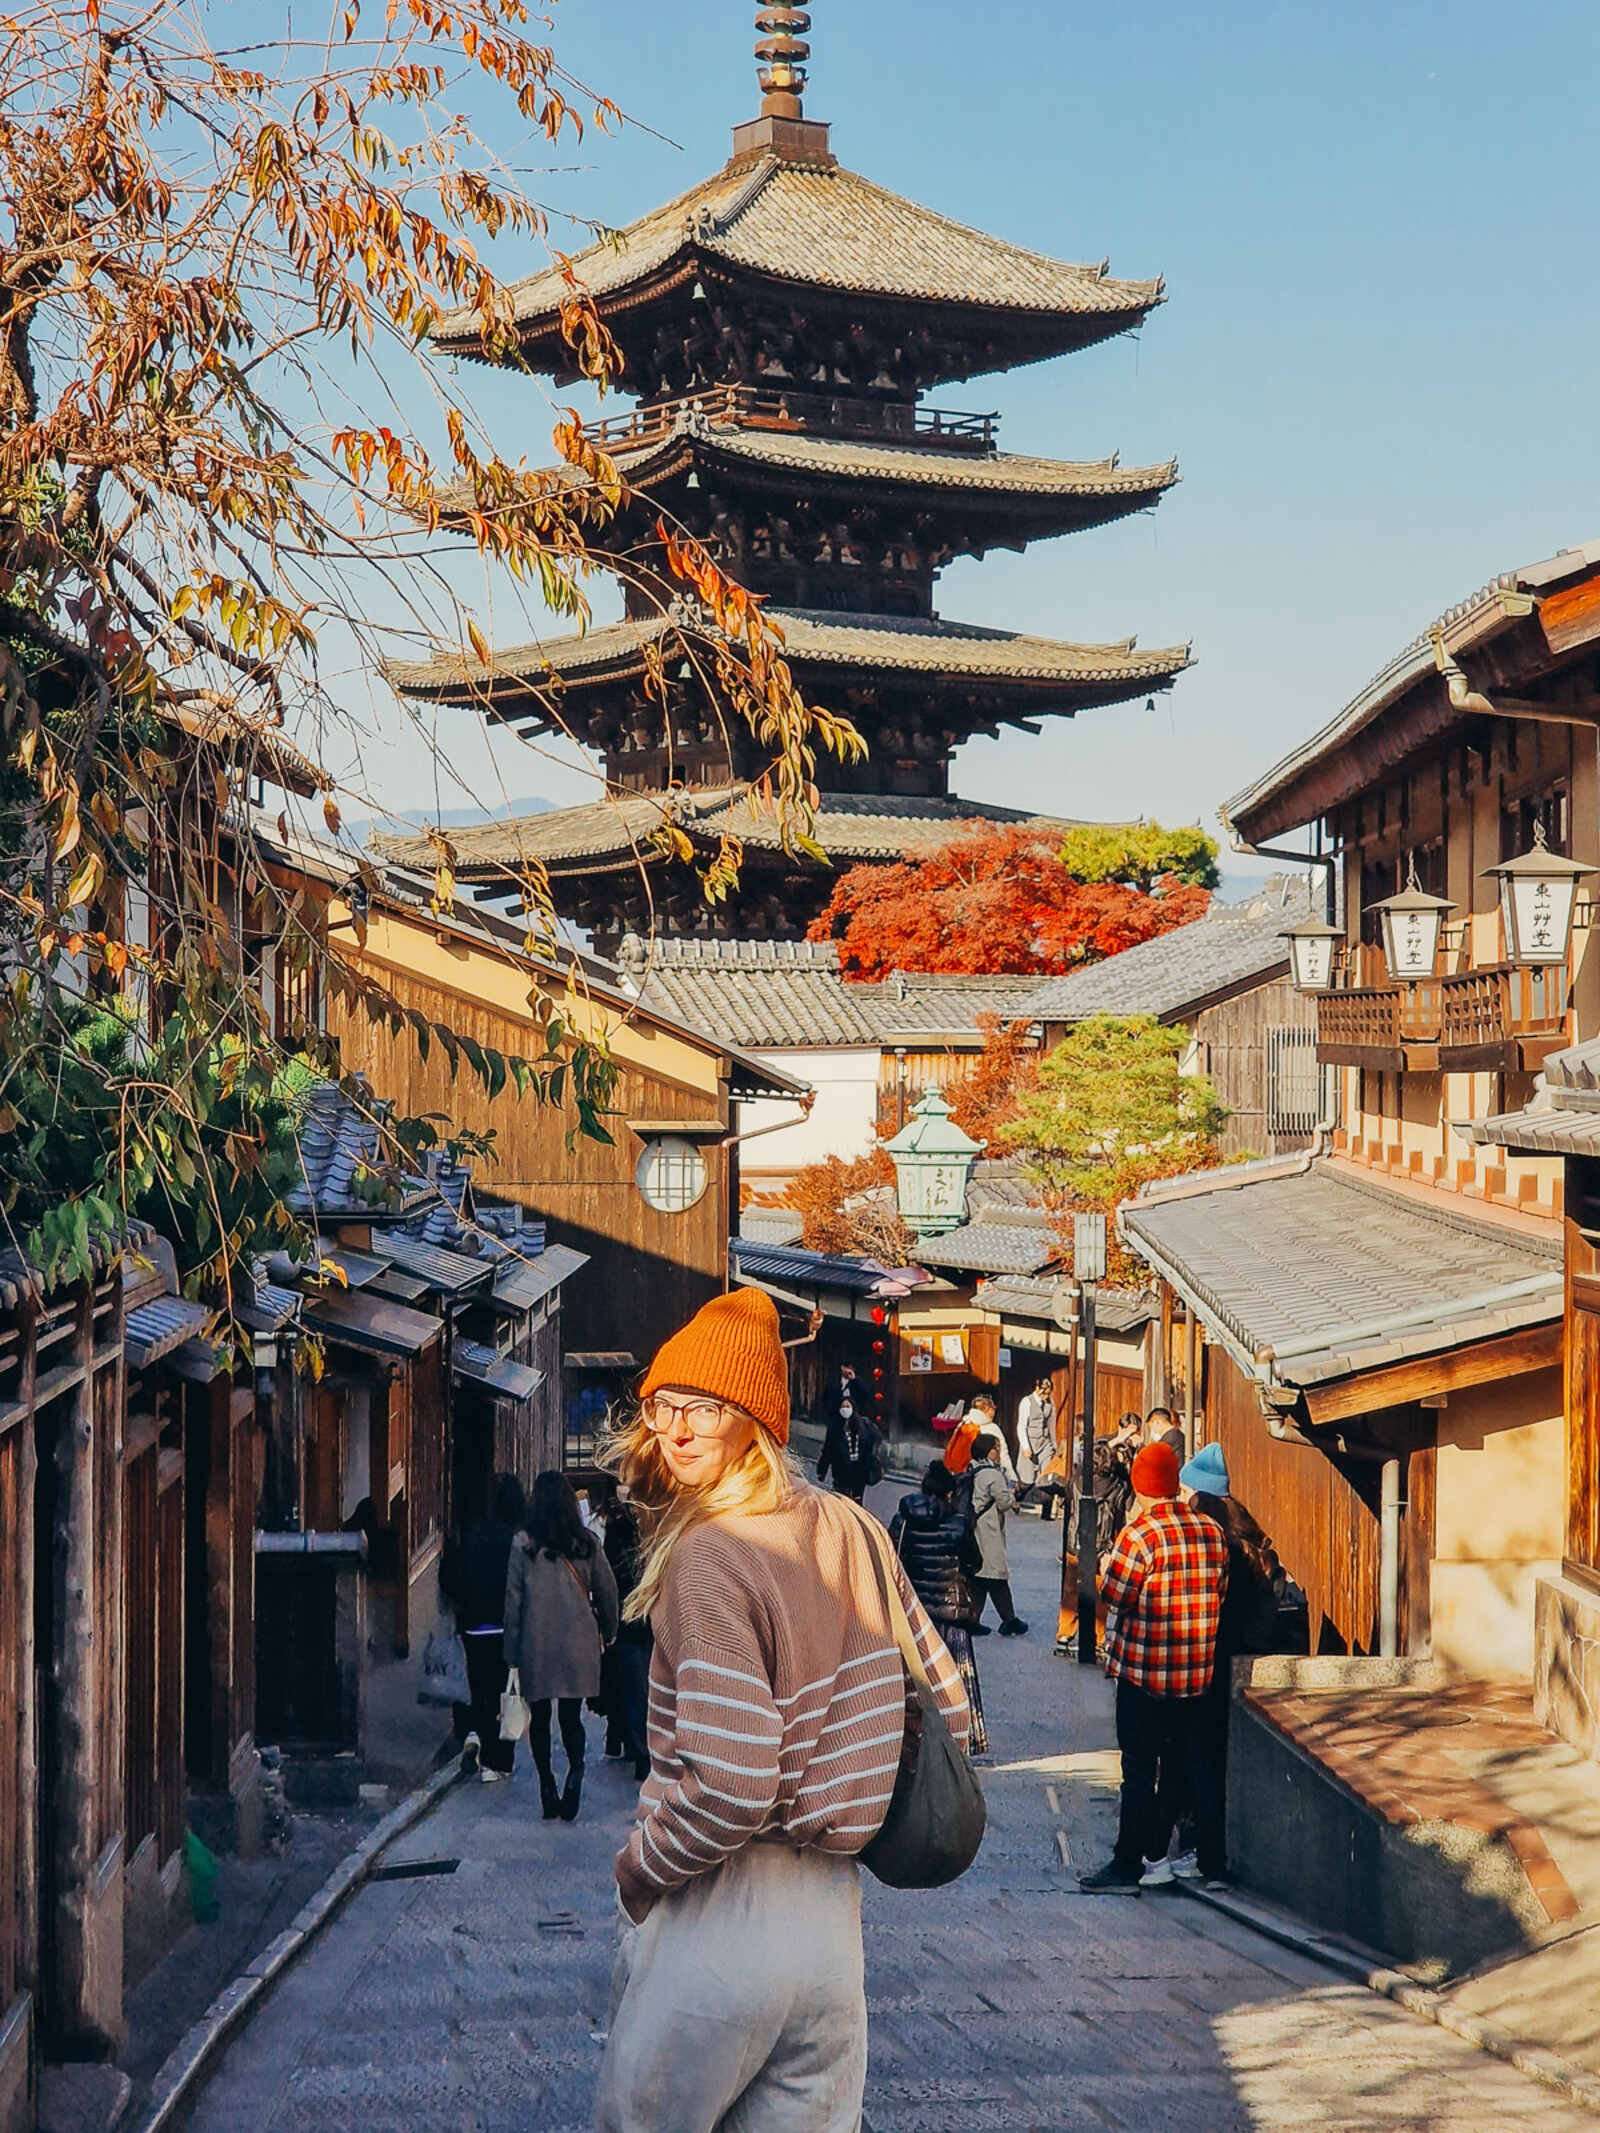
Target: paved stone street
[471,2001]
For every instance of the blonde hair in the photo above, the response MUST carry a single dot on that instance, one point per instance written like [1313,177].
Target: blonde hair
[763,1480]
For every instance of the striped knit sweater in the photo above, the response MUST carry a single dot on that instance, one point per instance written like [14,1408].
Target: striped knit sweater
[777,1698]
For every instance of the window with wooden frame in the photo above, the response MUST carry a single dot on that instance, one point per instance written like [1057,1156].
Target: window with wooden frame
[1524,816]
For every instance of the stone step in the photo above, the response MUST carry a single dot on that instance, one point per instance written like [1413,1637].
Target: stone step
[82,2099]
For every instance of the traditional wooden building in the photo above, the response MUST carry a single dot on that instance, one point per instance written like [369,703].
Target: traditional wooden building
[62,1667]
[1383,1315]
[652,1207]
[1225,980]
[780,324]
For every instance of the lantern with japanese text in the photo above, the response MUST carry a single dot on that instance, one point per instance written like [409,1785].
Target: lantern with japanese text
[1538,895]
[1411,924]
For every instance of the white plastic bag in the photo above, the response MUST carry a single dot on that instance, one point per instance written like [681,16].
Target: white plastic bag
[513,1709]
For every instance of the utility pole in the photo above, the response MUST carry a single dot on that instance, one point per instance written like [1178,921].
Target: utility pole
[1089,1266]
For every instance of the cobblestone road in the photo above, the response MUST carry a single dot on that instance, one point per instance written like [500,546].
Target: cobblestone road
[470,2002]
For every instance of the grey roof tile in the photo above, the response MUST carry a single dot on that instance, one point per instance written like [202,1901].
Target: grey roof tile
[812,639]
[1564,1116]
[791,993]
[1317,1274]
[826,227]
[1230,946]
[850,826]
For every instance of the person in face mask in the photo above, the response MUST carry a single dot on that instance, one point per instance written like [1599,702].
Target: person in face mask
[851,1453]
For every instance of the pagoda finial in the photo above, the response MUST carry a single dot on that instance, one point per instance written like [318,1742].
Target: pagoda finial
[782,52]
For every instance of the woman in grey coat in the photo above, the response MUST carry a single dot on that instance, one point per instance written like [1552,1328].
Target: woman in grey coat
[561,1613]
[992,1497]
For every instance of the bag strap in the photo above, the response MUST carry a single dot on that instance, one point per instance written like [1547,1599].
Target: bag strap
[579,1580]
[895,1607]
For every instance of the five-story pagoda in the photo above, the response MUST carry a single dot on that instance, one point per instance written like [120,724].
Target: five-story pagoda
[779,326]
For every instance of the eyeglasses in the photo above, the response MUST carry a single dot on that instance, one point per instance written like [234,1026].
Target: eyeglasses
[702,1418]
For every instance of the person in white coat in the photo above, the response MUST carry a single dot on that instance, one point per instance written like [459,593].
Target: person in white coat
[1036,1444]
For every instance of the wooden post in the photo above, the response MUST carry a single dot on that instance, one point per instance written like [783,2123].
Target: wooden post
[1087,1522]
[1191,1373]
[28,1544]
[75,1663]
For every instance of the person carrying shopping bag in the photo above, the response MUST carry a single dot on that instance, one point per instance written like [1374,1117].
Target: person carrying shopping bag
[560,1613]
[777,1721]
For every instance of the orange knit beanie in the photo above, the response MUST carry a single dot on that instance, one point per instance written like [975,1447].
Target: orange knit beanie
[732,1350]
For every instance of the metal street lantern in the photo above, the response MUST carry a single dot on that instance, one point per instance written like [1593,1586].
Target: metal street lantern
[1411,924]
[1311,948]
[933,1162]
[1538,895]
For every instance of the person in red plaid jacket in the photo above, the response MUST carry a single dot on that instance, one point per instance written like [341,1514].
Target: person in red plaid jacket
[1163,1592]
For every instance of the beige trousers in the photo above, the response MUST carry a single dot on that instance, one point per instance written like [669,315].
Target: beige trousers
[739,2007]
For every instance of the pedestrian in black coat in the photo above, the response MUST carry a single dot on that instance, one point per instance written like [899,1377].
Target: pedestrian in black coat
[472,1580]
[933,1537]
[850,1452]
[625,1667]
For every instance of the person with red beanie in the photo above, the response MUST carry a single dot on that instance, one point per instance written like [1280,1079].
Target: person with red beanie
[776,1722]
[1163,1592]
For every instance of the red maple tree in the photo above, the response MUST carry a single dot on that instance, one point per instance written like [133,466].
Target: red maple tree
[987,1097]
[996,899]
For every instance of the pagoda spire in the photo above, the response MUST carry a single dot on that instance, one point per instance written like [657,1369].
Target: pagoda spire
[782,54]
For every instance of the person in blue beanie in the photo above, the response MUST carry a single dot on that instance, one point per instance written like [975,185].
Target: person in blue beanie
[1248,1624]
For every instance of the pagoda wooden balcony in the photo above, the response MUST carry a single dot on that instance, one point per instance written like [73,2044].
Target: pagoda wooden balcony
[1497,1019]
[816,414]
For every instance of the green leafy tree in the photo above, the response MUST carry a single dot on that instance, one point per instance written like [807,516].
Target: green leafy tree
[1138,855]
[1113,1111]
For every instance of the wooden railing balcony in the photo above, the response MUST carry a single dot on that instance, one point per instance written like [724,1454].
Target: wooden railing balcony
[1498,1018]
[817,414]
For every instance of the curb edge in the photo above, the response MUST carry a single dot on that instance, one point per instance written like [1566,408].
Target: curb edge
[189,2058]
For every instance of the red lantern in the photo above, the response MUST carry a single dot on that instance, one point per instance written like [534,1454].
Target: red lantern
[878,1372]
[880,1347]
[880,1316]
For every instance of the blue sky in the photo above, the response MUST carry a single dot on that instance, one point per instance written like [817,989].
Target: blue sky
[1376,364]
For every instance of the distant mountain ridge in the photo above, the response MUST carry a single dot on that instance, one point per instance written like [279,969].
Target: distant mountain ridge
[448,817]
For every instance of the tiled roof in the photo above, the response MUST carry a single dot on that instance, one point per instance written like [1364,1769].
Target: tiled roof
[826,228]
[500,1374]
[1233,945]
[1032,1296]
[850,826]
[1311,1274]
[1008,477]
[891,644]
[449,1273]
[756,1262]
[1564,1116]
[770,1225]
[522,1284]
[158,1328]
[791,993]
[344,1174]
[1481,613]
[987,1246]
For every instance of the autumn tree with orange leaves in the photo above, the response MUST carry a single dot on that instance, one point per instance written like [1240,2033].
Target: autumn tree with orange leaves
[219,267]
[1012,898]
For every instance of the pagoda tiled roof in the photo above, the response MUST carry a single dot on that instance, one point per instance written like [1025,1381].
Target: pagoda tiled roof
[824,227]
[614,831]
[1004,476]
[899,644]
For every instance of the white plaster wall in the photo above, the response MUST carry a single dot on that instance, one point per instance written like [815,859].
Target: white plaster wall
[1499,1520]
[843,1120]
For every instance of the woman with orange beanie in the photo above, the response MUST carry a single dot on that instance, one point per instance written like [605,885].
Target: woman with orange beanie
[777,1715]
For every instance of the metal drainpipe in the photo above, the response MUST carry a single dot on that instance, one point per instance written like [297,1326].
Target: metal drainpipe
[1389,1561]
